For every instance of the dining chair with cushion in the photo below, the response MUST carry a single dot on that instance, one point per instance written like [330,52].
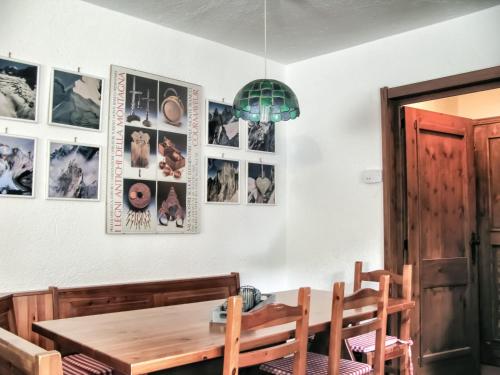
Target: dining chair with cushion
[7,316]
[333,364]
[270,315]
[395,347]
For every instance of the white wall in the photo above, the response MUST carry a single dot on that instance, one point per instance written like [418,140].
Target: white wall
[333,218]
[327,218]
[64,243]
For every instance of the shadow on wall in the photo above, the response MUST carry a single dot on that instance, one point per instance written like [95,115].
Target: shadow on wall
[305,151]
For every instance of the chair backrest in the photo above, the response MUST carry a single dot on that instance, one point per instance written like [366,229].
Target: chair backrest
[402,281]
[361,299]
[20,357]
[7,316]
[273,314]
[93,300]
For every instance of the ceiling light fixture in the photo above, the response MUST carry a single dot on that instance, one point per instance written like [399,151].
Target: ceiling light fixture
[266,100]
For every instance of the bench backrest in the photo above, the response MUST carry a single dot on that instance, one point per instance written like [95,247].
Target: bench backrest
[93,300]
[20,357]
[7,318]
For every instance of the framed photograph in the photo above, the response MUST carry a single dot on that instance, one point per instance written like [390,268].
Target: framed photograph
[222,181]
[19,86]
[261,136]
[73,171]
[76,100]
[17,166]
[261,183]
[223,129]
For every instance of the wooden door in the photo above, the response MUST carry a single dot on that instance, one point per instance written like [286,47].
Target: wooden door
[440,209]
[487,154]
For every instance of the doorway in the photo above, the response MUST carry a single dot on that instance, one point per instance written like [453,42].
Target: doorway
[438,219]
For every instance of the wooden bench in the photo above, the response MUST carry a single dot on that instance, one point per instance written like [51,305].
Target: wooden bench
[21,357]
[7,318]
[57,303]
[93,300]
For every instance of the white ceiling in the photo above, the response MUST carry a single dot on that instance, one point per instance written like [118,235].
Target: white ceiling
[297,29]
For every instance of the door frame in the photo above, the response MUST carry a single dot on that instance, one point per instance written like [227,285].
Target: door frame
[394,152]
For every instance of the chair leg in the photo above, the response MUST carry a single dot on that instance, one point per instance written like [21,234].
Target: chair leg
[404,362]
[368,358]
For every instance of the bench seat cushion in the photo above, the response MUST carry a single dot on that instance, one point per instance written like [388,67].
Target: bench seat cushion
[366,343]
[80,364]
[317,364]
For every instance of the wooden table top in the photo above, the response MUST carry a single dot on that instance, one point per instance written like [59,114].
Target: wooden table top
[142,341]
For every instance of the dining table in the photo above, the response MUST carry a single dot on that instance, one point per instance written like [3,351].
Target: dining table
[143,341]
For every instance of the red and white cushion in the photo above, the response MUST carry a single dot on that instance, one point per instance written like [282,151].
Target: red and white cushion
[317,364]
[80,364]
[366,343]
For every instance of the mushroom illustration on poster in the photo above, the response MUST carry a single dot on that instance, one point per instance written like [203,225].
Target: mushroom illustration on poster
[154,154]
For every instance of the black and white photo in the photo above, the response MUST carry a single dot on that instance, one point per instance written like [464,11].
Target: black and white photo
[261,184]
[73,171]
[261,136]
[18,89]
[223,181]
[17,165]
[76,100]
[223,129]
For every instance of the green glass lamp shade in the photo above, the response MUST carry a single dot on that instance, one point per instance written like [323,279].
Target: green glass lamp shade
[266,100]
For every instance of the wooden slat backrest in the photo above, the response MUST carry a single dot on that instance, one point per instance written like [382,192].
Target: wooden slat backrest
[403,289]
[7,317]
[270,315]
[20,357]
[403,281]
[93,300]
[363,297]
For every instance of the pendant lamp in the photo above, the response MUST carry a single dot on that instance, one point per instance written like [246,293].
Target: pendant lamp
[266,100]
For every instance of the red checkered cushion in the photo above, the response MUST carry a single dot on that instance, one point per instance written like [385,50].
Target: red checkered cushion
[317,364]
[80,364]
[366,343]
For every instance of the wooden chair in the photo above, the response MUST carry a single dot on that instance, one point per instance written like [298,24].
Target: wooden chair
[395,347]
[7,316]
[318,364]
[20,357]
[268,316]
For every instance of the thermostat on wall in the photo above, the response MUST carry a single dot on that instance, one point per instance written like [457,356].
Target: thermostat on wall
[372,176]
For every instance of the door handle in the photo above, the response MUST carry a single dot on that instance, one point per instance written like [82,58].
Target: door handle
[475,241]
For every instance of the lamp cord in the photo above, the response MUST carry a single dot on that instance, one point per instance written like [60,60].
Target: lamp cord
[265,38]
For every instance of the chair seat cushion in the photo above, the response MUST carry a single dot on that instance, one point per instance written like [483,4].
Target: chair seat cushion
[317,364]
[80,364]
[366,343]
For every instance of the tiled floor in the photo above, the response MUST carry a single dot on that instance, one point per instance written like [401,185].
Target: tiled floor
[487,370]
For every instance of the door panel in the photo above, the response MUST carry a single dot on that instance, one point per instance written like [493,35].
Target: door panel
[441,210]
[487,155]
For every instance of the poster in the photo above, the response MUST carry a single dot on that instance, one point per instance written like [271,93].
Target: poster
[154,154]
